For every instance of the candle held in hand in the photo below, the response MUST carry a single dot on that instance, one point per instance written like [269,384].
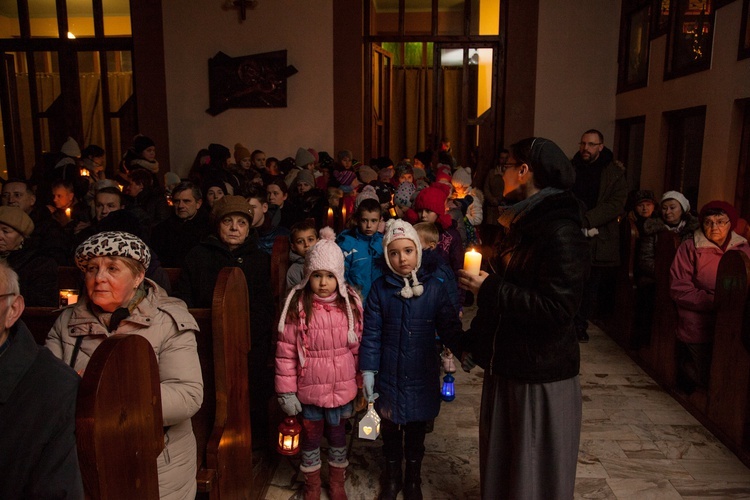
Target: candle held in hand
[330,218]
[472,262]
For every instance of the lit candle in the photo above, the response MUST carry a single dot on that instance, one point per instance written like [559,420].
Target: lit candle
[67,213]
[330,217]
[84,172]
[119,186]
[343,216]
[68,297]
[392,211]
[472,262]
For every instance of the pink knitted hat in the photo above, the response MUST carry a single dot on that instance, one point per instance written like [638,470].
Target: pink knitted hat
[325,255]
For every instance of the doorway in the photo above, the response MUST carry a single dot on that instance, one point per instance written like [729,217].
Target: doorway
[444,63]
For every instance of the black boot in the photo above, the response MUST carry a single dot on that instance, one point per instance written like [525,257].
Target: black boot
[413,480]
[393,481]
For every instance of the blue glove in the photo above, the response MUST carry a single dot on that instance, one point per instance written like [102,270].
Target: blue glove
[467,362]
[289,403]
[368,386]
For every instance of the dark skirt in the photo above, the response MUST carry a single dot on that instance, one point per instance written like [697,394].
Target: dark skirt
[528,438]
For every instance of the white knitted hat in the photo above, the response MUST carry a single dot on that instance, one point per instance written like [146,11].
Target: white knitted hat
[325,255]
[462,177]
[396,229]
[679,197]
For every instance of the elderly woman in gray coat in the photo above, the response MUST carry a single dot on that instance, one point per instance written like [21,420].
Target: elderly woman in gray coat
[120,300]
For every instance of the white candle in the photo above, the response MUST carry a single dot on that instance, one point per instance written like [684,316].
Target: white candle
[472,262]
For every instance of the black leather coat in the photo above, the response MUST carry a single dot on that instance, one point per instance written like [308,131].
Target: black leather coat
[524,325]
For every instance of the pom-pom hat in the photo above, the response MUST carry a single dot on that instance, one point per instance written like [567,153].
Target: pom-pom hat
[112,244]
[396,229]
[325,255]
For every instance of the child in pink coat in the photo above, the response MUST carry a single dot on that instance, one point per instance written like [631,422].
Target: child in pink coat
[316,361]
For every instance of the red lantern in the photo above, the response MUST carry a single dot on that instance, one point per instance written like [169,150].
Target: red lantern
[289,431]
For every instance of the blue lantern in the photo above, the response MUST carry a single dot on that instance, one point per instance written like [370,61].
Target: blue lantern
[448,392]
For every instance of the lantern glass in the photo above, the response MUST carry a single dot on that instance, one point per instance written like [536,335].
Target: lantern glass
[289,432]
[448,392]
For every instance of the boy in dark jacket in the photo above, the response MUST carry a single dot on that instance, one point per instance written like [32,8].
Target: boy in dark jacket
[405,309]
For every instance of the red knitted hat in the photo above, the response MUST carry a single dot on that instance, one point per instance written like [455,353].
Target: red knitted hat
[431,199]
[724,207]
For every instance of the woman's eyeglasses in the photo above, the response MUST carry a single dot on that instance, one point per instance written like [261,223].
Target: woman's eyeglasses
[716,223]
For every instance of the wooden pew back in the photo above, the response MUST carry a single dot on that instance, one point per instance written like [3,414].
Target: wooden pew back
[119,420]
[279,267]
[222,425]
[223,422]
[622,323]
[660,355]
[729,383]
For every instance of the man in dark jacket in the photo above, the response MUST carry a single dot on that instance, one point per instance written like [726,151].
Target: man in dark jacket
[184,229]
[48,236]
[38,453]
[600,184]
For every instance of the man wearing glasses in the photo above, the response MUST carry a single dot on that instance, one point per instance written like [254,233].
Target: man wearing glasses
[600,185]
[37,409]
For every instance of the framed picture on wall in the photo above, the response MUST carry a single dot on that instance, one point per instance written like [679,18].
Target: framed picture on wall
[744,49]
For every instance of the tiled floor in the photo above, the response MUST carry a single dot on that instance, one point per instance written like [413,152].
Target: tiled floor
[636,442]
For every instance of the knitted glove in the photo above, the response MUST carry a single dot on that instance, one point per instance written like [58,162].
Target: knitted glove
[368,386]
[467,362]
[289,403]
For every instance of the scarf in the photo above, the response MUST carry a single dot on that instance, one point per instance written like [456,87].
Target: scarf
[113,319]
[513,213]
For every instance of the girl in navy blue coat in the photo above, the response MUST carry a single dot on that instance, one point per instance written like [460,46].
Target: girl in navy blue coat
[399,358]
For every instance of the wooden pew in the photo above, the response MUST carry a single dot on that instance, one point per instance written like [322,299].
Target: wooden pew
[119,408]
[279,267]
[659,356]
[222,425]
[226,470]
[729,383]
[621,325]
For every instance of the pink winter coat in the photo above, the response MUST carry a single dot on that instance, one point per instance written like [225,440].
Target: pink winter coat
[693,281]
[316,362]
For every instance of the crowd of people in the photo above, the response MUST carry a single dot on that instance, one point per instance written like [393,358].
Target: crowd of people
[373,310]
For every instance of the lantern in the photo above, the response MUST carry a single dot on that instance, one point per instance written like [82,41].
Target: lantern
[448,392]
[369,426]
[289,431]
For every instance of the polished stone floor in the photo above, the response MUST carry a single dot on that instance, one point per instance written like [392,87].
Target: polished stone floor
[636,442]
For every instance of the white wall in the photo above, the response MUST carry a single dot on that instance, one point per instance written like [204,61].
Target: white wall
[576,70]
[195,31]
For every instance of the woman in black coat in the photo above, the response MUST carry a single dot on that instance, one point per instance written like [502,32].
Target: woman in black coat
[530,419]
[234,244]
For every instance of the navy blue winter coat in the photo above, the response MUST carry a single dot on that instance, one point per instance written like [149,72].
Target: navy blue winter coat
[399,343]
